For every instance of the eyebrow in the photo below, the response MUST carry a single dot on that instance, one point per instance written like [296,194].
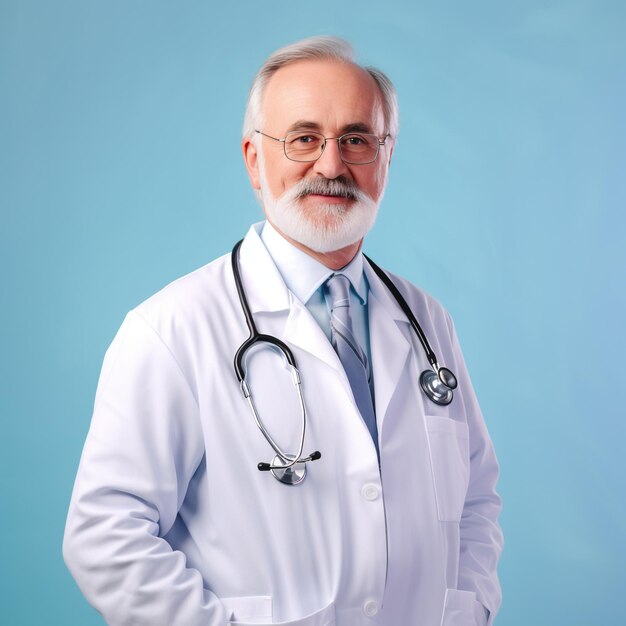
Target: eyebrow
[356,127]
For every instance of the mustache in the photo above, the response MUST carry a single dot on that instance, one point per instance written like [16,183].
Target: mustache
[321,186]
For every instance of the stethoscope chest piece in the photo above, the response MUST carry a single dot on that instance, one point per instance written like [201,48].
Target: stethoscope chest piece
[292,475]
[438,391]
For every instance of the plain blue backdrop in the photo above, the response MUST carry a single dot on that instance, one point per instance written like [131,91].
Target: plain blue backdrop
[120,170]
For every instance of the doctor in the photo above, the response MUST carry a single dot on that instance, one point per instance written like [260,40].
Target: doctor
[171,522]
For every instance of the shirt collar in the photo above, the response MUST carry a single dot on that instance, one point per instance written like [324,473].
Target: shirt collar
[304,275]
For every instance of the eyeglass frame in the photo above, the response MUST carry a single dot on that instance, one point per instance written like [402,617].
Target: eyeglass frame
[326,140]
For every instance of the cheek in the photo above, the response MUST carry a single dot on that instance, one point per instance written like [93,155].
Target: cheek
[276,186]
[282,178]
[373,182]
[272,174]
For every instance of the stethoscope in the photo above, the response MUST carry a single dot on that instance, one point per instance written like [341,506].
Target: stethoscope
[290,469]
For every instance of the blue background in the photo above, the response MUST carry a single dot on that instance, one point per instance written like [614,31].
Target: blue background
[120,170]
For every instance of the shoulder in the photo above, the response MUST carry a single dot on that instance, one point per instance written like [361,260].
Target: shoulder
[423,305]
[190,298]
[414,293]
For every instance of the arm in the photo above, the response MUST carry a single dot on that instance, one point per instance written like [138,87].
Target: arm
[143,447]
[481,536]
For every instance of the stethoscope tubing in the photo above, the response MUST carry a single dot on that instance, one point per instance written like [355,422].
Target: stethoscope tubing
[256,337]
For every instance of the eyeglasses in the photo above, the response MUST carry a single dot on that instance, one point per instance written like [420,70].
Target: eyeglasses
[306,146]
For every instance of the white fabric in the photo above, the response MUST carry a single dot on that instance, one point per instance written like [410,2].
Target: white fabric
[170,515]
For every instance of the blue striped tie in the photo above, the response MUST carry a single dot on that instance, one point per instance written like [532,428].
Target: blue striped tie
[351,355]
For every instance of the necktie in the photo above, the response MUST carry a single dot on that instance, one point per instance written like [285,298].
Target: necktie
[351,355]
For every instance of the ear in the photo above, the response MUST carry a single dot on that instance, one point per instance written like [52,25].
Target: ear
[251,159]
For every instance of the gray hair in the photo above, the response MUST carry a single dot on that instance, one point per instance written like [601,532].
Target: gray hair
[323,47]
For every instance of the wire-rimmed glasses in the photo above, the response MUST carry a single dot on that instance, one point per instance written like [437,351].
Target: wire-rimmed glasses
[307,146]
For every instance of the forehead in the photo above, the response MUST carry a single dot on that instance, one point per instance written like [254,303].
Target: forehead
[330,94]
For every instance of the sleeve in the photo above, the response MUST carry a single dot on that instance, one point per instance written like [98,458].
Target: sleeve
[144,445]
[481,535]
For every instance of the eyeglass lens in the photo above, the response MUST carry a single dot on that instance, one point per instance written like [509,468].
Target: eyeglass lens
[354,147]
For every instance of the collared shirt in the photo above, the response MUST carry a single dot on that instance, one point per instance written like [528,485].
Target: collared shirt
[305,278]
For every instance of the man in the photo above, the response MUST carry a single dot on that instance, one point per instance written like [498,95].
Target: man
[171,521]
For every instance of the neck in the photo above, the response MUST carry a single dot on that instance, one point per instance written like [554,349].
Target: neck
[333,260]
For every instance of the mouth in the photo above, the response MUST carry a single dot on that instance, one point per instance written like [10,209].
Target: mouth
[329,198]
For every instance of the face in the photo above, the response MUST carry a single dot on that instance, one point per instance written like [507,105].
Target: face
[331,98]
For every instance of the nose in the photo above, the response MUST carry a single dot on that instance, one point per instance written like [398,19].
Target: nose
[330,164]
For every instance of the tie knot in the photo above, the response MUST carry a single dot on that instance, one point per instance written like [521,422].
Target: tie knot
[338,291]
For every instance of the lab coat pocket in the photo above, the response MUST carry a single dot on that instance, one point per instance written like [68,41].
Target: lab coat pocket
[461,609]
[248,609]
[325,617]
[448,444]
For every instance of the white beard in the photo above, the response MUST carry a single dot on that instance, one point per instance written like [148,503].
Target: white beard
[324,228]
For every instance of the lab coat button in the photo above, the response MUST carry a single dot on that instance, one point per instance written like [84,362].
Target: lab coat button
[370,608]
[370,491]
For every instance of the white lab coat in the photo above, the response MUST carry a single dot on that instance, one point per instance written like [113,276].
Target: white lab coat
[172,524]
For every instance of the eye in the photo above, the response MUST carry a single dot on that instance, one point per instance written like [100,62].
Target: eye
[301,139]
[354,140]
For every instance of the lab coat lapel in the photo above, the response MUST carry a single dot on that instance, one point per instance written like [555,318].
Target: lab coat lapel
[279,313]
[388,343]
[263,285]
[304,332]
[276,310]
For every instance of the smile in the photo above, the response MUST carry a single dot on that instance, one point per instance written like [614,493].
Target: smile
[332,198]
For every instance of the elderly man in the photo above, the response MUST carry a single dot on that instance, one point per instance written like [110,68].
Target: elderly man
[322,479]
